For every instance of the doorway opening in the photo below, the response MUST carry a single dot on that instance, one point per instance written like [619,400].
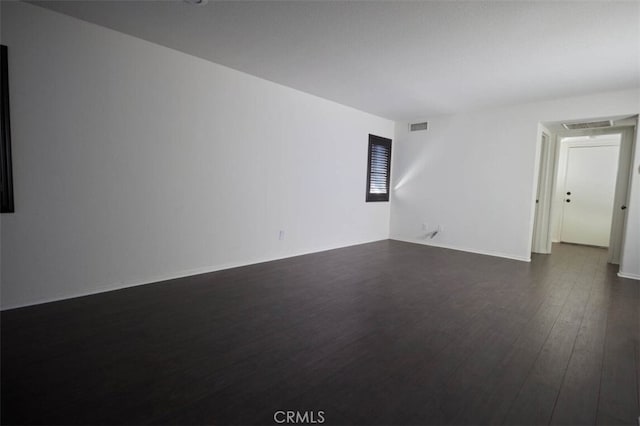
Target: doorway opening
[583,186]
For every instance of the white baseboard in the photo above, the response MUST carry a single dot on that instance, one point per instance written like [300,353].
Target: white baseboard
[468,250]
[179,274]
[630,276]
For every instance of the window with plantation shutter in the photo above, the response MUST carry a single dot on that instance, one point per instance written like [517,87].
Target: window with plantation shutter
[378,168]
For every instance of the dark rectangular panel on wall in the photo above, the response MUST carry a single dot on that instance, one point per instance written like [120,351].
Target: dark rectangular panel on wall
[6,172]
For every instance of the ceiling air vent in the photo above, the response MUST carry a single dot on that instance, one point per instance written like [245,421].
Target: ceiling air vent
[587,125]
[419,126]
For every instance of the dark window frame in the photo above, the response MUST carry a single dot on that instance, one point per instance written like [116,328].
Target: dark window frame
[6,172]
[386,143]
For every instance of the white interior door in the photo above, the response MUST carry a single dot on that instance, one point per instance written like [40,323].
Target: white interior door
[590,183]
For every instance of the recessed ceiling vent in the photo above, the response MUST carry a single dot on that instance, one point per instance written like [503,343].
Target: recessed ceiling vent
[419,126]
[587,125]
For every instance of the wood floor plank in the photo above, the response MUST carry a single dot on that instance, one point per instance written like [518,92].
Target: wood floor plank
[577,401]
[618,387]
[537,398]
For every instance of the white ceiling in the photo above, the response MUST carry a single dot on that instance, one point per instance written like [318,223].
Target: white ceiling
[399,60]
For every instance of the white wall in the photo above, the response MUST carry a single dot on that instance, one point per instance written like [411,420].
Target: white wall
[475,174]
[134,163]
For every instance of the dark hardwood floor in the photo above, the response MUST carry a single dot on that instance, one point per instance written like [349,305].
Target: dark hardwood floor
[381,333]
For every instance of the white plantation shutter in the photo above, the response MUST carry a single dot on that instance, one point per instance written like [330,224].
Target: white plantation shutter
[378,168]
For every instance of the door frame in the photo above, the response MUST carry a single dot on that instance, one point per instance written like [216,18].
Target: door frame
[547,180]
